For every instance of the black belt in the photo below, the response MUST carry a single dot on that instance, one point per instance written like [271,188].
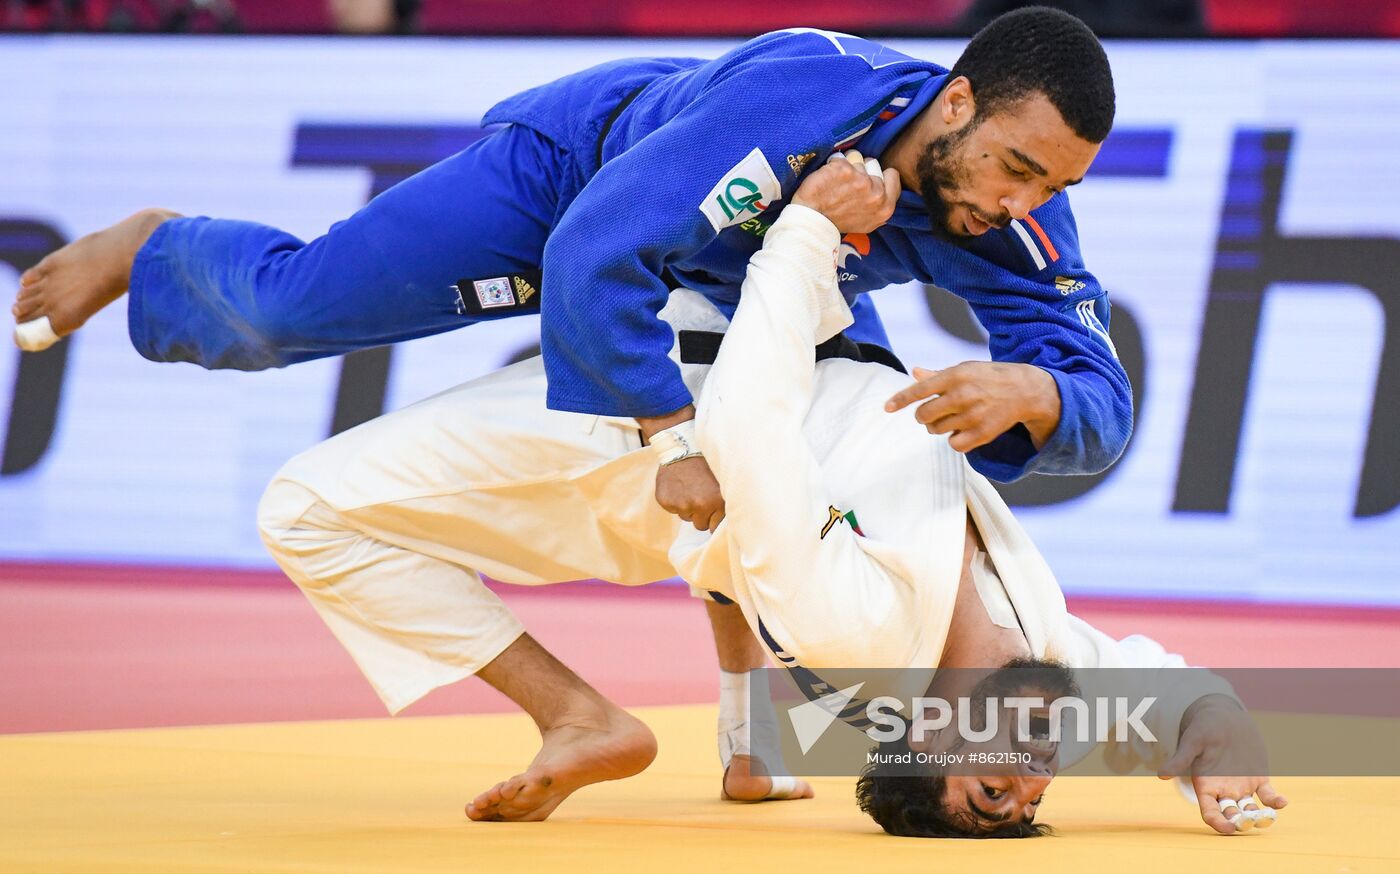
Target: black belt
[702,347]
[612,117]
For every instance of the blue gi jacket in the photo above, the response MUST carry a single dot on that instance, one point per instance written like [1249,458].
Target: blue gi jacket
[685,163]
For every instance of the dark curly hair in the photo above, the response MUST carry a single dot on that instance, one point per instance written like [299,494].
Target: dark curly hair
[1038,50]
[913,806]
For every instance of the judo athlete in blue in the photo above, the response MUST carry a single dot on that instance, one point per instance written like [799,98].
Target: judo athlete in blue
[603,190]
[625,177]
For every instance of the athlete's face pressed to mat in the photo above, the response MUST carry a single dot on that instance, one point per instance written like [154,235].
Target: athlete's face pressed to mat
[988,798]
[990,169]
[989,787]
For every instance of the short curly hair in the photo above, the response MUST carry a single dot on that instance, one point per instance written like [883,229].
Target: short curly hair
[912,806]
[1038,50]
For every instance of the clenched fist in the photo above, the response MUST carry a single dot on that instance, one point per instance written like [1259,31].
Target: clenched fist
[852,192]
[687,488]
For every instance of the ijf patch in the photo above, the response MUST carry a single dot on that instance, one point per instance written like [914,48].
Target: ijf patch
[742,193]
[499,295]
[494,292]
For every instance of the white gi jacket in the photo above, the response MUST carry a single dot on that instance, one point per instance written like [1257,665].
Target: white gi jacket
[796,444]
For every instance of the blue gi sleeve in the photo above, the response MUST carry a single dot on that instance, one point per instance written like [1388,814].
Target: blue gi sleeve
[717,162]
[1029,288]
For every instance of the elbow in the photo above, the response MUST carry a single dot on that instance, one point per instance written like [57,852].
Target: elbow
[1105,427]
[1118,430]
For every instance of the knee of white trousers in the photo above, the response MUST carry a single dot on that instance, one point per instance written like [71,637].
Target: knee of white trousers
[411,622]
[283,505]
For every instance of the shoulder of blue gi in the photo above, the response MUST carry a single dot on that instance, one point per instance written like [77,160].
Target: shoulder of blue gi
[695,153]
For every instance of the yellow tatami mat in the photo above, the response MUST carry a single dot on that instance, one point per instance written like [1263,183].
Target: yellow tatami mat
[387,795]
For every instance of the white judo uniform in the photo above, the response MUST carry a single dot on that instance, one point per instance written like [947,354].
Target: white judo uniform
[843,537]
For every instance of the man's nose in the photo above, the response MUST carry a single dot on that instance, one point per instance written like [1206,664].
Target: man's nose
[1018,204]
[1036,772]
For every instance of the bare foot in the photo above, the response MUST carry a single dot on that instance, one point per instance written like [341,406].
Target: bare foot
[71,285]
[746,780]
[610,746]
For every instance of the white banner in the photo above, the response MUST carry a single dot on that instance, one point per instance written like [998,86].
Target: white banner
[1245,217]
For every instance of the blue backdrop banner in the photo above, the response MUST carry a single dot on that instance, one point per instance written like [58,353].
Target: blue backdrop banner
[1245,216]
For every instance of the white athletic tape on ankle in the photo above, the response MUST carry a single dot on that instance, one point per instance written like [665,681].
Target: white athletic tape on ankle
[35,335]
[783,787]
[733,725]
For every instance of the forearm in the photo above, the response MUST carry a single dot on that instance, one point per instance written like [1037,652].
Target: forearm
[761,380]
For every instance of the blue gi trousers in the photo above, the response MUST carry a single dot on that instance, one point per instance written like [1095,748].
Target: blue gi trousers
[245,296]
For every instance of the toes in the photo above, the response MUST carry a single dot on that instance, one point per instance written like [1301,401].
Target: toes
[486,805]
[512,788]
[521,797]
[510,800]
[483,813]
[26,309]
[32,275]
[530,799]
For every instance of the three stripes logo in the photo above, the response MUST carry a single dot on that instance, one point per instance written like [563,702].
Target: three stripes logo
[1090,319]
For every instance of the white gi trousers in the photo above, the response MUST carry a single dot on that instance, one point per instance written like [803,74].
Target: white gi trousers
[386,527]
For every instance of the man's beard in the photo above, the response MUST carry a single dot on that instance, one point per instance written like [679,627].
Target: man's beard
[938,171]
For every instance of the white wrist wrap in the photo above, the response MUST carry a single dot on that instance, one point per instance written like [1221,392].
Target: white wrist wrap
[676,443]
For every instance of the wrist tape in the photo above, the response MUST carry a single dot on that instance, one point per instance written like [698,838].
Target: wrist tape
[676,443]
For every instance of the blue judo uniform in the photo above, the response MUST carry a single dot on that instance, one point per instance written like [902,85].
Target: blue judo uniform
[613,183]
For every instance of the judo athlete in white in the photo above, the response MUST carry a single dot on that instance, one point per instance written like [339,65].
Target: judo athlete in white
[387,526]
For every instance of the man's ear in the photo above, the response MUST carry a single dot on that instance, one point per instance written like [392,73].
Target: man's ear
[923,745]
[956,104]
